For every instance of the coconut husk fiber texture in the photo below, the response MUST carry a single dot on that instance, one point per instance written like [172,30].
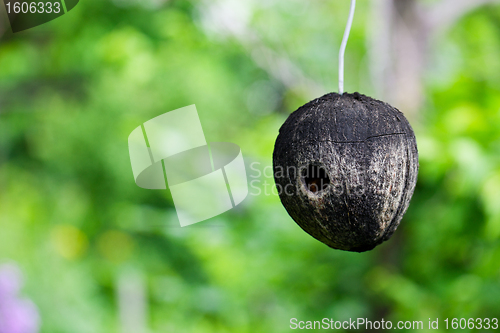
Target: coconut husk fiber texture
[345,168]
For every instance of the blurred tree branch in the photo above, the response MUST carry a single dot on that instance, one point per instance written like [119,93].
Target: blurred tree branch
[399,43]
[445,13]
[281,68]
[221,17]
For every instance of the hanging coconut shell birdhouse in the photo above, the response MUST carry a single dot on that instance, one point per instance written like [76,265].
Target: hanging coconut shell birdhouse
[345,168]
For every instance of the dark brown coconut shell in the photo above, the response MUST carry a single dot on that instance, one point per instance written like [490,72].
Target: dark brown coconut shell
[345,168]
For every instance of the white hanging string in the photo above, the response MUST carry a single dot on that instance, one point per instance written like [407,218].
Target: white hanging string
[343,46]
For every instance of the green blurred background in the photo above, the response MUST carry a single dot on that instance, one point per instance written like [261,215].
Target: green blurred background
[100,254]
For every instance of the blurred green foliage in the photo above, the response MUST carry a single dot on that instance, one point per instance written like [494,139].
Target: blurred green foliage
[73,89]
